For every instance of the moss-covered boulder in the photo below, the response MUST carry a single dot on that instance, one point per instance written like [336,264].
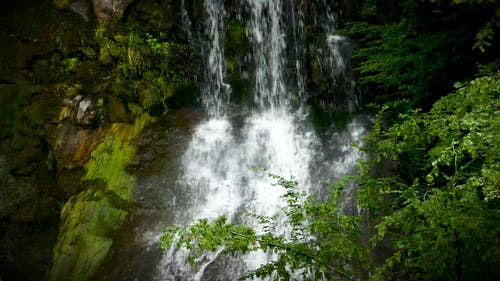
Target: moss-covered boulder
[91,218]
[88,222]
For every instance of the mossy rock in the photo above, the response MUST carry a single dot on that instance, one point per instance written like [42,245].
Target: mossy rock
[88,222]
[60,4]
[111,158]
[13,100]
[91,219]
[236,40]
[117,110]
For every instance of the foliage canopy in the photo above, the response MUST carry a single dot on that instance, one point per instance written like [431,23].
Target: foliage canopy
[443,218]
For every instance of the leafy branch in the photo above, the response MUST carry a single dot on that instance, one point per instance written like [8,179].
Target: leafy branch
[320,242]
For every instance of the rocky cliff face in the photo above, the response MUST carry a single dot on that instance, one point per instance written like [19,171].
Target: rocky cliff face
[48,130]
[29,209]
[76,88]
[72,106]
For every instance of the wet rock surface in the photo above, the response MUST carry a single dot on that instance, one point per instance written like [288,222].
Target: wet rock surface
[105,10]
[28,210]
[158,158]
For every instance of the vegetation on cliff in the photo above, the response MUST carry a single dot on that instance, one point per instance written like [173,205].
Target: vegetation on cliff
[74,97]
[131,77]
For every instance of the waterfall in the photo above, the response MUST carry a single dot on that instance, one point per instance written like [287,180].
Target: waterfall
[215,91]
[268,48]
[218,167]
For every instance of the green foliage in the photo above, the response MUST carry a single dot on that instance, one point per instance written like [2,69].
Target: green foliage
[484,38]
[398,62]
[322,244]
[443,219]
[449,235]
[416,49]
[146,71]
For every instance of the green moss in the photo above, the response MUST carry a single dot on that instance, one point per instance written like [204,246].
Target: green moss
[138,77]
[88,222]
[110,159]
[237,43]
[90,219]
[70,65]
[60,4]
[108,162]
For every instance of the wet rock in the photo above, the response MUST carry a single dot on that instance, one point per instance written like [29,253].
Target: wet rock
[91,218]
[26,176]
[164,139]
[80,7]
[331,79]
[68,180]
[105,10]
[81,110]
[75,144]
[13,192]
[78,98]
[84,114]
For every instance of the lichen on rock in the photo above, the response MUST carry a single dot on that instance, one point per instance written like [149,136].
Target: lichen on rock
[88,222]
[90,219]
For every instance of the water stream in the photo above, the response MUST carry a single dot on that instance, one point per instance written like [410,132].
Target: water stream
[221,167]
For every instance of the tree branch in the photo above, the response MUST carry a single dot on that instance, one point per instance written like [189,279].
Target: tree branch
[312,258]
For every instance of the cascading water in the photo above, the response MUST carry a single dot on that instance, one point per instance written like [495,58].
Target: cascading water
[215,91]
[218,167]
